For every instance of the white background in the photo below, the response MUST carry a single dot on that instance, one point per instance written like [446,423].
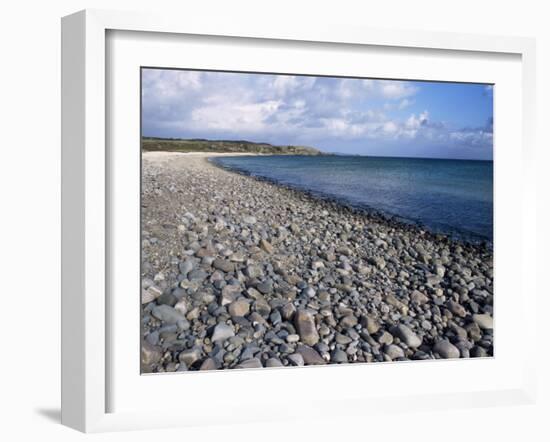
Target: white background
[30,216]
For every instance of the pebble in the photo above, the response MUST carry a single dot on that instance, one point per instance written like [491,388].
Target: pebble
[224,265]
[338,356]
[167,314]
[292,338]
[181,306]
[385,338]
[189,357]
[239,308]
[310,356]
[265,287]
[150,294]
[266,246]
[305,324]
[478,352]
[456,309]
[287,311]
[394,352]
[419,297]
[230,293]
[406,335]
[185,267]
[446,350]
[222,332]
[348,321]
[250,363]
[370,324]
[247,271]
[342,339]
[273,362]
[485,322]
[197,275]
[150,354]
[208,364]
[296,359]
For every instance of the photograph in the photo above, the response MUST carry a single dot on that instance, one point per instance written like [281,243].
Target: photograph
[293,220]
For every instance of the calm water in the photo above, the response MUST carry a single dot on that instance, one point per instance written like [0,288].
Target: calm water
[449,196]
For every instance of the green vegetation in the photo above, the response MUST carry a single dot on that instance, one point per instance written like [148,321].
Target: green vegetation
[200,145]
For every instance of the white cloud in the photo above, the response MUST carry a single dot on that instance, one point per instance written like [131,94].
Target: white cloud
[298,109]
[472,137]
[390,127]
[396,90]
[245,117]
[403,104]
[414,122]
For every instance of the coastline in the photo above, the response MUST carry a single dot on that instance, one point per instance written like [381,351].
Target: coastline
[462,237]
[291,279]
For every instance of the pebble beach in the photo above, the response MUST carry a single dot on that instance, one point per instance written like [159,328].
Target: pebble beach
[242,273]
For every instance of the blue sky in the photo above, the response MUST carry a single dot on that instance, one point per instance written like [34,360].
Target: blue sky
[342,115]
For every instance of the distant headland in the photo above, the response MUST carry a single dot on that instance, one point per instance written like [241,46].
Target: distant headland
[153,144]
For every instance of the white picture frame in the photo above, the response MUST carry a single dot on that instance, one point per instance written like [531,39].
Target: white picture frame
[87,319]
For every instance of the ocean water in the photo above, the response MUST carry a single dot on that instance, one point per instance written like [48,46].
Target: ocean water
[454,197]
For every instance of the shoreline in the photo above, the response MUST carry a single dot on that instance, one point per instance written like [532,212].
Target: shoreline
[461,237]
[240,272]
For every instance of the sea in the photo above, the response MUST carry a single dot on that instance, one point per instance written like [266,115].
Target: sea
[452,197]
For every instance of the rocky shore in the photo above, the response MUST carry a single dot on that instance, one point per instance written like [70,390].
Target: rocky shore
[241,273]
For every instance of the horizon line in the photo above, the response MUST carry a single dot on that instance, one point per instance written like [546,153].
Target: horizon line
[314,147]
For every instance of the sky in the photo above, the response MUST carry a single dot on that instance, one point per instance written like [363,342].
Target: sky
[339,115]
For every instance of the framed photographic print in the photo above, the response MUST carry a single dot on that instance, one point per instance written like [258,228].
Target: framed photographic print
[332,213]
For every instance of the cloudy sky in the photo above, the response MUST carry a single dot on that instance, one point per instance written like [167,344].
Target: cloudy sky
[342,115]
